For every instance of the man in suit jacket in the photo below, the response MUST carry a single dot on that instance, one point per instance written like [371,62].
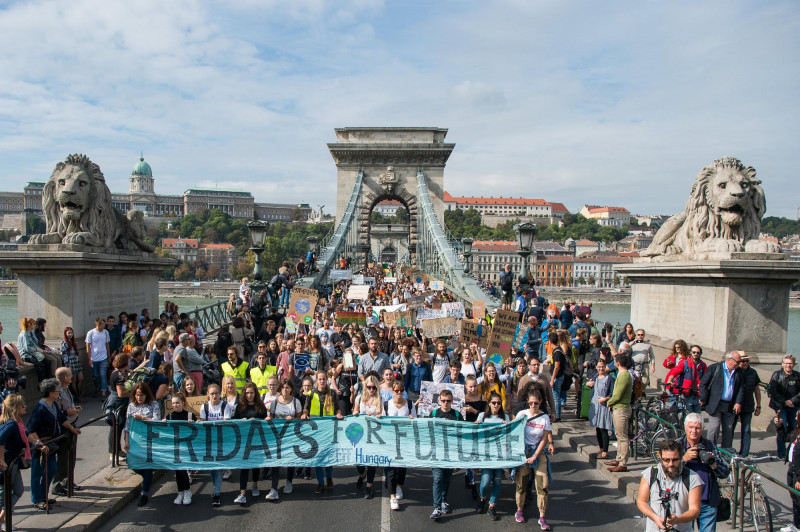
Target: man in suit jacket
[721,395]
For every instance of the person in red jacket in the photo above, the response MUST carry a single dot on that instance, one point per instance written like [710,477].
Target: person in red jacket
[685,378]
[679,352]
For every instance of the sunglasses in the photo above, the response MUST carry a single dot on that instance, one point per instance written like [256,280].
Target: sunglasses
[695,352]
[371,388]
[495,403]
[445,400]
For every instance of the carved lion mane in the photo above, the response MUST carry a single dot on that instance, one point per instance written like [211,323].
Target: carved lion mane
[723,215]
[77,208]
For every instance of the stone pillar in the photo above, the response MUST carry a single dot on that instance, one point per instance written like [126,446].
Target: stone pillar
[718,304]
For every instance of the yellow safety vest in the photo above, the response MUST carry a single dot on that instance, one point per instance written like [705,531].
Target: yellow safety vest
[260,378]
[239,374]
[316,406]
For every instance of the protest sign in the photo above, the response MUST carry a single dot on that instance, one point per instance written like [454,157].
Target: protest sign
[455,309]
[341,275]
[400,319]
[390,279]
[358,279]
[429,314]
[415,302]
[521,335]
[369,281]
[302,304]
[291,328]
[469,332]
[358,291]
[325,441]
[502,336]
[436,285]
[478,309]
[353,318]
[193,405]
[429,397]
[440,327]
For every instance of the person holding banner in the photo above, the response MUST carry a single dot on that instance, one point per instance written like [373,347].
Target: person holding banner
[143,406]
[537,433]
[179,413]
[216,409]
[285,406]
[250,407]
[272,391]
[398,407]
[494,414]
[441,476]
[322,401]
[369,403]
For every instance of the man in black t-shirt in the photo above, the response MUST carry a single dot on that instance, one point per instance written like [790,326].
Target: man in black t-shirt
[441,476]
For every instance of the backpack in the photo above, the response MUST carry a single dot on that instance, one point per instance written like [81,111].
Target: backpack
[637,389]
[506,280]
[222,406]
[138,375]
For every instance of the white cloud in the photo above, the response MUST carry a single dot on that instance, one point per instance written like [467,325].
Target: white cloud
[570,101]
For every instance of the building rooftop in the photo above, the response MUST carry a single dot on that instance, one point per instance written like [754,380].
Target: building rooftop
[558,207]
[203,191]
[216,246]
[474,200]
[142,168]
[605,208]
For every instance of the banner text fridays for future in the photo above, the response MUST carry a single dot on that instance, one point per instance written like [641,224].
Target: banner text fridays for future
[326,441]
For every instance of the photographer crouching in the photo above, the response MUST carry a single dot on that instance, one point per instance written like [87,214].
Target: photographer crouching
[701,456]
[669,493]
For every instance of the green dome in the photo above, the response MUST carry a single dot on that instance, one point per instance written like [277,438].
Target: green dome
[142,168]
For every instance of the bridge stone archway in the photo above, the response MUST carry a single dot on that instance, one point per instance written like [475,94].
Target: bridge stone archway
[388,160]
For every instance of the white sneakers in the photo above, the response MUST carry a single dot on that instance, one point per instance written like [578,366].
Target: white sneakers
[272,495]
[393,504]
[241,499]
[399,493]
[227,474]
[288,488]
[184,497]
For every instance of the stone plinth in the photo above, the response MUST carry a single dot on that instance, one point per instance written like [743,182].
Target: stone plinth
[721,304]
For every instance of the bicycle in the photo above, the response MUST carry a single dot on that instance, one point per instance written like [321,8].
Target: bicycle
[760,511]
[647,433]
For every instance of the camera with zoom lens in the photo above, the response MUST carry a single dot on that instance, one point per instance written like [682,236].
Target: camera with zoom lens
[704,455]
[11,372]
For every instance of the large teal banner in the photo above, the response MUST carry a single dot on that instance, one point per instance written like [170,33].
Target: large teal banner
[362,440]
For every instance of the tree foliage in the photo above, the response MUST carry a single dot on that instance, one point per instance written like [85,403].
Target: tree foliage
[467,223]
[780,227]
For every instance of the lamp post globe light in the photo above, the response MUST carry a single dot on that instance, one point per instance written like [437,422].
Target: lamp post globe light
[466,243]
[525,233]
[258,236]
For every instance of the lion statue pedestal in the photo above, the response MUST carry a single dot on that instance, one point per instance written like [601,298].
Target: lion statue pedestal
[707,278]
[91,262]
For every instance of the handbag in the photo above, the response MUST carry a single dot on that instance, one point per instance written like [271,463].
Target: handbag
[724,509]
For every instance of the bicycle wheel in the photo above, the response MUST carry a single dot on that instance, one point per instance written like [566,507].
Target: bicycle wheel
[637,432]
[759,506]
[662,435]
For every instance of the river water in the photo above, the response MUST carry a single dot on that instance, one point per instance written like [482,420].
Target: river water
[612,313]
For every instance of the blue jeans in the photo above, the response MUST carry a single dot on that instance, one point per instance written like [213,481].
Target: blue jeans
[284,297]
[470,474]
[557,394]
[323,473]
[707,522]
[495,477]
[39,487]
[693,404]
[216,480]
[788,416]
[99,371]
[441,483]
[745,418]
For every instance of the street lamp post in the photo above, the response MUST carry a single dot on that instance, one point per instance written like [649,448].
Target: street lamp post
[525,233]
[466,242]
[258,236]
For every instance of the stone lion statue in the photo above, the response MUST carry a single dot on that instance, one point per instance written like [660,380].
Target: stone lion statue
[77,208]
[723,215]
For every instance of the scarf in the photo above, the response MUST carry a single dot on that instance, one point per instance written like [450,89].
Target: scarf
[24,437]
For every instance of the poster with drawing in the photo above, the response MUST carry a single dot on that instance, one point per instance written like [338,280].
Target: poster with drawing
[429,397]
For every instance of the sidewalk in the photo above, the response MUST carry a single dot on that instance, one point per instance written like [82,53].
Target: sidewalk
[580,436]
[105,489]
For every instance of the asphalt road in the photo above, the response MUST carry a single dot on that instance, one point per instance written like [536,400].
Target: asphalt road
[580,499]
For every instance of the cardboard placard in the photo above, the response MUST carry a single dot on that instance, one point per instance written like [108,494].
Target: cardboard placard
[469,332]
[406,318]
[521,336]
[358,279]
[440,327]
[429,397]
[302,303]
[193,405]
[502,336]
[369,280]
[415,302]
[436,285]
[390,279]
[358,291]
[429,314]
[478,309]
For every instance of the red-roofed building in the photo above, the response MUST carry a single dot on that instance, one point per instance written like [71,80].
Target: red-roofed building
[489,257]
[387,208]
[500,206]
[223,256]
[558,210]
[605,215]
[184,249]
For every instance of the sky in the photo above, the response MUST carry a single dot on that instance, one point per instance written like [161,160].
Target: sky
[606,103]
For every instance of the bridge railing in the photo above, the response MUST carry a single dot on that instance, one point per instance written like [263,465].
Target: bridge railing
[211,317]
